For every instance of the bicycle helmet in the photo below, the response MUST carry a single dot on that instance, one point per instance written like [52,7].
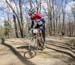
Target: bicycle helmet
[31,11]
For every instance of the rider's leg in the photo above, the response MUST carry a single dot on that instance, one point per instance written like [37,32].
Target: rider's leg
[44,37]
[43,33]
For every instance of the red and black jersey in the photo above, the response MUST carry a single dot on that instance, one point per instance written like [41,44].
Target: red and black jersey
[36,16]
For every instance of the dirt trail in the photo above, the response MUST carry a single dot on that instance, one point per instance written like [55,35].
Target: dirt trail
[11,55]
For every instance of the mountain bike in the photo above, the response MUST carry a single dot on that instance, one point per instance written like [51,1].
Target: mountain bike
[38,43]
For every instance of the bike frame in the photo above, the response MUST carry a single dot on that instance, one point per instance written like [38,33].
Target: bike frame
[38,39]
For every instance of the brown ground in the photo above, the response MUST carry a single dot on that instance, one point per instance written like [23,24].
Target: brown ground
[12,53]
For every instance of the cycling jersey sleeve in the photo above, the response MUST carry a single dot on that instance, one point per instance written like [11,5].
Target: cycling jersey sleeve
[42,19]
[32,24]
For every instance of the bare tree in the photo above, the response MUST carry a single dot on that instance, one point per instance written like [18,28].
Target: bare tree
[73,12]
[49,16]
[14,12]
[15,25]
[30,1]
[21,17]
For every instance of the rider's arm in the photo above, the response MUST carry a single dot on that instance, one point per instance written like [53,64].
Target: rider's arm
[32,24]
[42,19]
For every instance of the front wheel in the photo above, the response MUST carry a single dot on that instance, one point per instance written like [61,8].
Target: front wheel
[30,53]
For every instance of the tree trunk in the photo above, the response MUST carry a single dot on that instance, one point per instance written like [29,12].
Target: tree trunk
[21,18]
[21,32]
[49,17]
[30,1]
[15,25]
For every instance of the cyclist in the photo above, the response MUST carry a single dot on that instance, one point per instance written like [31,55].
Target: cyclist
[37,17]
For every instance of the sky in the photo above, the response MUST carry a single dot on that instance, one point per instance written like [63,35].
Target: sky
[67,7]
